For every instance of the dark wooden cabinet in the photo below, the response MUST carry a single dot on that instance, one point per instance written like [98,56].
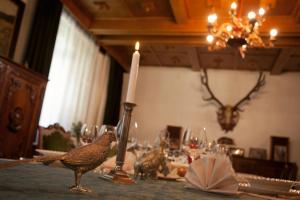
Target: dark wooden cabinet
[266,168]
[21,97]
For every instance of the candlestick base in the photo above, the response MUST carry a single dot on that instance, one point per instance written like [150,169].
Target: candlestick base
[122,177]
[118,176]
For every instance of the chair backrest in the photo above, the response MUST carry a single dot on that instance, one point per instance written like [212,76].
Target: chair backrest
[54,137]
[225,140]
[174,135]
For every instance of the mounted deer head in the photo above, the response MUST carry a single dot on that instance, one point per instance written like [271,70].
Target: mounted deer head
[228,115]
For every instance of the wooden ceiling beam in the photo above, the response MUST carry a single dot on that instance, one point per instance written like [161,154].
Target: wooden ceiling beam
[284,42]
[82,17]
[119,56]
[286,25]
[152,40]
[126,40]
[165,26]
[281,60]
[148,26]
[179,10]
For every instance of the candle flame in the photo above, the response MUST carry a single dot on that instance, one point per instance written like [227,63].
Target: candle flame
[137,45]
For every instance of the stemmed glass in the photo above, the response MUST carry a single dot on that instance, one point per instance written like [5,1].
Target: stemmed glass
[132,143]
[203,142]
[186,137]
[162,139]
[146,146]
[194,140]
[107,128]
[88,133]
[134,129]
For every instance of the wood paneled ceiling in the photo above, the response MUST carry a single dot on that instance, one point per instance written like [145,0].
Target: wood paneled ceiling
[172,32]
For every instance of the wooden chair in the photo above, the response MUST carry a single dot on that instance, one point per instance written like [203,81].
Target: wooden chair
[174,135]
[54,137]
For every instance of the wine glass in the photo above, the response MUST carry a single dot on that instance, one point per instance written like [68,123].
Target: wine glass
[88,133]
[164,135]
[194,140]
[186,137]
[132,143]
[134,129]
[146,146]
[203,142]
[107,128]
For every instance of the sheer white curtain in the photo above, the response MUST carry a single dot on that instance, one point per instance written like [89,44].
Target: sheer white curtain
[78,78]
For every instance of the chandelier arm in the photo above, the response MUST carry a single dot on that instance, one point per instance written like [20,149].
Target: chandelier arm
[238,33]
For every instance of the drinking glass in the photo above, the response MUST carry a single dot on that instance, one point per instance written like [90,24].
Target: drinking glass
[132,143]
[107,128]
[203,143]
[88,134]
[194,140]
[186,137]
[146,146]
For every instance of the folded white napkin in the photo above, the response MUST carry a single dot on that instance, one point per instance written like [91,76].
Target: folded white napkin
[212,173]
[110,163]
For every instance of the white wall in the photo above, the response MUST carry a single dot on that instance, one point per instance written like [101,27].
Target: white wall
[173,96]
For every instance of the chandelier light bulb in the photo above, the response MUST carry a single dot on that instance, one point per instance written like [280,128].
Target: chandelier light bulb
[261,11]
[229,28]
[251,15]
[210,38]
[273,32]
[212,18]
[233,6]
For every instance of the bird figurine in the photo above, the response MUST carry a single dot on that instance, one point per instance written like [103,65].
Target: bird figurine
[80,160]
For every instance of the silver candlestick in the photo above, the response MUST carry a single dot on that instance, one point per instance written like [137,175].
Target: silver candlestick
[118,175]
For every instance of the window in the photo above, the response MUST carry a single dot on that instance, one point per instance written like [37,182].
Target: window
[78,78]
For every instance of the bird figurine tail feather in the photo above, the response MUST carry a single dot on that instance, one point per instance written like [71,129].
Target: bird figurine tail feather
[80,160]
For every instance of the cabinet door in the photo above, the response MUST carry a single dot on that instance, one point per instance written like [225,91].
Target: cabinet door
[22,96]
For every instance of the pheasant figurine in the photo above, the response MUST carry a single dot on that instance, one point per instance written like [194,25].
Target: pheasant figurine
[80,160]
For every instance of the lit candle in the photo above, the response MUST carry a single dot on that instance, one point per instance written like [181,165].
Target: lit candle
[133,74]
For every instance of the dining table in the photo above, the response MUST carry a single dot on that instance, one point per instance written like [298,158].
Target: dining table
[38,181]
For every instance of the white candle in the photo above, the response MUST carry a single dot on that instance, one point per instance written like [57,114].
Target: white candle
[133,74]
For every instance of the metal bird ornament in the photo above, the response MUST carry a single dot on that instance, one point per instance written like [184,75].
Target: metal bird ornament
[152,162]
[80,160]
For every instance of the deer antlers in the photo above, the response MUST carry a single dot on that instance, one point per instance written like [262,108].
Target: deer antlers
[228,115]
[260,82]
[204,81]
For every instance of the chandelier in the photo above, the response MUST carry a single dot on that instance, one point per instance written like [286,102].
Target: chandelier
[240,33]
